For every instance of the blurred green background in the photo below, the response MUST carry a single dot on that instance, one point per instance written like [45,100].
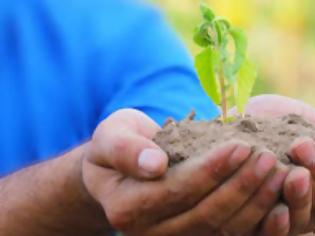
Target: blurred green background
[281,38]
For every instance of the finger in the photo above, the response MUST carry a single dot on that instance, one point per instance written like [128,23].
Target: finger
[277,106]
[302,152]
[188,187]
[298,195]
[221,204]
[259,205]
[277,223]
[182,187]
[122,142]
[132,155]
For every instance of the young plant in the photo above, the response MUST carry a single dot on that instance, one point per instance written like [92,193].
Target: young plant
[225,73]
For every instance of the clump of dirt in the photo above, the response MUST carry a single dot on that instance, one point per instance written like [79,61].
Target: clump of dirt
[189,138]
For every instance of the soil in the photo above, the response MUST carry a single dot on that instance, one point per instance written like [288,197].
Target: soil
[188,138]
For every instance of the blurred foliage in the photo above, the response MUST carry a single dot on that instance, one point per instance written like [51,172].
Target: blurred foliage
[281,39]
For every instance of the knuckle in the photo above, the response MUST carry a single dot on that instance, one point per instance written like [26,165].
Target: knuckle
[214,218]
[175,195]
[118,149]
[215,173]
[263,206]
[264,201]
[246,183]
[94,153]
[119,143]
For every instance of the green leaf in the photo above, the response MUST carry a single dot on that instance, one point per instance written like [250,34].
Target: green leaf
[202,36]
[240,43]
[205,64]
[206,12]
[246,78]
[200,39]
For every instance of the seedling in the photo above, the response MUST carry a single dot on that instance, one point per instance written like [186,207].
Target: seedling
[225,73]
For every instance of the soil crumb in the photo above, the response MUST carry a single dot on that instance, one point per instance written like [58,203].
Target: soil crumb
[189,138]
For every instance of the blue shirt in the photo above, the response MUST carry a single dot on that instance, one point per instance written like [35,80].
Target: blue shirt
[66,65]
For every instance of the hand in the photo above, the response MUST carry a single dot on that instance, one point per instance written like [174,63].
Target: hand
[298,180]
[202,195]
[302,152]
[278,106]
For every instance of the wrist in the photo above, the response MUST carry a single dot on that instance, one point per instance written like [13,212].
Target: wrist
[95,217]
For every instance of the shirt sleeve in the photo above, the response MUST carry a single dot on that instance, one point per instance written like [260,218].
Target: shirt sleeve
[157,76]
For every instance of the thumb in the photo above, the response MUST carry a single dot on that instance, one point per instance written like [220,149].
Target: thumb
[152,162]
[130,154]
[123,142]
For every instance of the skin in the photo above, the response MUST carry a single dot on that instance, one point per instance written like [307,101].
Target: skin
[50,199]
[177,204]
[120,180]
[300,182]
[277,222]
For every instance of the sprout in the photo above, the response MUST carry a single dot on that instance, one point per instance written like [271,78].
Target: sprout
[227,77]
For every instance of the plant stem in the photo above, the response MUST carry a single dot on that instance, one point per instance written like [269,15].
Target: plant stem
[223,94]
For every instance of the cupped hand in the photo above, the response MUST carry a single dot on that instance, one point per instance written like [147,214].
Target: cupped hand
[228,190]
[300,183]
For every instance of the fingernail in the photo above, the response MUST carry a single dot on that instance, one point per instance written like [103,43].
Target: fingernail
[282,218]
[277,180]
[301,186]
[150,160]
[306,153]
[240,154]
[264,164]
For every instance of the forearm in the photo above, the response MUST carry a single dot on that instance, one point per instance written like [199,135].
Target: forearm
[50,199]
